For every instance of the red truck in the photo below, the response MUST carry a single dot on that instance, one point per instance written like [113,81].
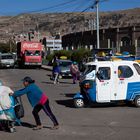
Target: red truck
[29,54]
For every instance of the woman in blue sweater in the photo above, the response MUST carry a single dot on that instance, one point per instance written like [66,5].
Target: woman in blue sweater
[38,100]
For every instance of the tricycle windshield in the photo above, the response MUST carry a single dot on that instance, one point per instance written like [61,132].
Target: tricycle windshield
[89,73]
[89,69]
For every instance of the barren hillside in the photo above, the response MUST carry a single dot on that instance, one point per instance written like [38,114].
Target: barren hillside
[64,23]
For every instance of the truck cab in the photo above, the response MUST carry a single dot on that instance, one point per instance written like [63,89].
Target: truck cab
[29,53]
[110,81]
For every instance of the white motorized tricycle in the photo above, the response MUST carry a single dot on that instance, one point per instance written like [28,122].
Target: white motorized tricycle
[109,81]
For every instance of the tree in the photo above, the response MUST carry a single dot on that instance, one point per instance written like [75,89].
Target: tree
[7,47]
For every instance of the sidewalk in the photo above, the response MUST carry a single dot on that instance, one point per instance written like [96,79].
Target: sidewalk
[49,68]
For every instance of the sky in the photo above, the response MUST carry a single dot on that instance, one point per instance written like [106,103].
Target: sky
[15,7]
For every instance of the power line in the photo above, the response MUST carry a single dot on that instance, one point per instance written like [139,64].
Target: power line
[96,5]
[69,6]
[51,7]
[44,9]
[86,9]
[82,4]
[92,6]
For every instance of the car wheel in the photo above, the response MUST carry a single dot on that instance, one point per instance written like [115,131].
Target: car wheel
[60,76]
[79,103]
[137,101]
[12,130]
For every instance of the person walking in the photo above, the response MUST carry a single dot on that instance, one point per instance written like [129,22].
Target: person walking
[56,70]
[74,71]
[38,100]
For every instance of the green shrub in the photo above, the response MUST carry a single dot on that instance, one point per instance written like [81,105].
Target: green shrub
[77,55]
[50,57]
[63,53]
[6,47]
[80,54]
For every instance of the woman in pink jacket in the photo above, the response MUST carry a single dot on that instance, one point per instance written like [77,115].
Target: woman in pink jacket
[74,71]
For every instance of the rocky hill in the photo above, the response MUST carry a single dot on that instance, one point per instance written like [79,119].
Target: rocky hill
[64,23]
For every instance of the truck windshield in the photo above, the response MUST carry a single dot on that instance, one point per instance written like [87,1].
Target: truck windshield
[89,68]
[32,53]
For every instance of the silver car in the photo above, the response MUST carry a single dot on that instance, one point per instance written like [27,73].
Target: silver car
[6,60]
[65,68]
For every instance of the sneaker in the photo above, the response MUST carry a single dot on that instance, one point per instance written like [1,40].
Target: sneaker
[38,127]
[55,127]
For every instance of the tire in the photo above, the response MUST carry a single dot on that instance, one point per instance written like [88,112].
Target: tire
[12,130]
[137,101]
[79,103]
[60,77]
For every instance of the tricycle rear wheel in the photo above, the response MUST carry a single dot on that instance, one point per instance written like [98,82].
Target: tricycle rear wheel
[137,101]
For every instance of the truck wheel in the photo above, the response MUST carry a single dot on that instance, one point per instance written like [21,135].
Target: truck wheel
[39,67]
[79,103]
[137,101]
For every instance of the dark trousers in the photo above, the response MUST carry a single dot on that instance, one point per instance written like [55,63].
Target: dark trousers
[47,110]
[74,76]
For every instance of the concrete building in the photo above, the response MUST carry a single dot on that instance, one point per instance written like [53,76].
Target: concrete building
[119,39]
[53,44]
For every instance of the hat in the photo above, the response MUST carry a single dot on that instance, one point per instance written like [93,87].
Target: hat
[28,79]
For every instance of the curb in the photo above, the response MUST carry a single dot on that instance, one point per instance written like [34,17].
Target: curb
[49,68]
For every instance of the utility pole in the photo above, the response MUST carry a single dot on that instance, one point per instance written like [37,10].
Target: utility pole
[97,23]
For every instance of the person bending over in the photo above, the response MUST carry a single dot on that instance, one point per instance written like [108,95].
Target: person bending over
[38,100]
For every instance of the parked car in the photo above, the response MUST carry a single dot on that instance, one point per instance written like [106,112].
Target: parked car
[7,60]
[65,68]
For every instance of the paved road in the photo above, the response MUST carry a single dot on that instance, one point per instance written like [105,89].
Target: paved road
[93,123]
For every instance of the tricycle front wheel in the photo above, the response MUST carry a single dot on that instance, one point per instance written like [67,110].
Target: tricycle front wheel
[79,103]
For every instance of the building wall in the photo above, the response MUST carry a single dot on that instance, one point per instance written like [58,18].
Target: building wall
[119,39]
[53,44]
